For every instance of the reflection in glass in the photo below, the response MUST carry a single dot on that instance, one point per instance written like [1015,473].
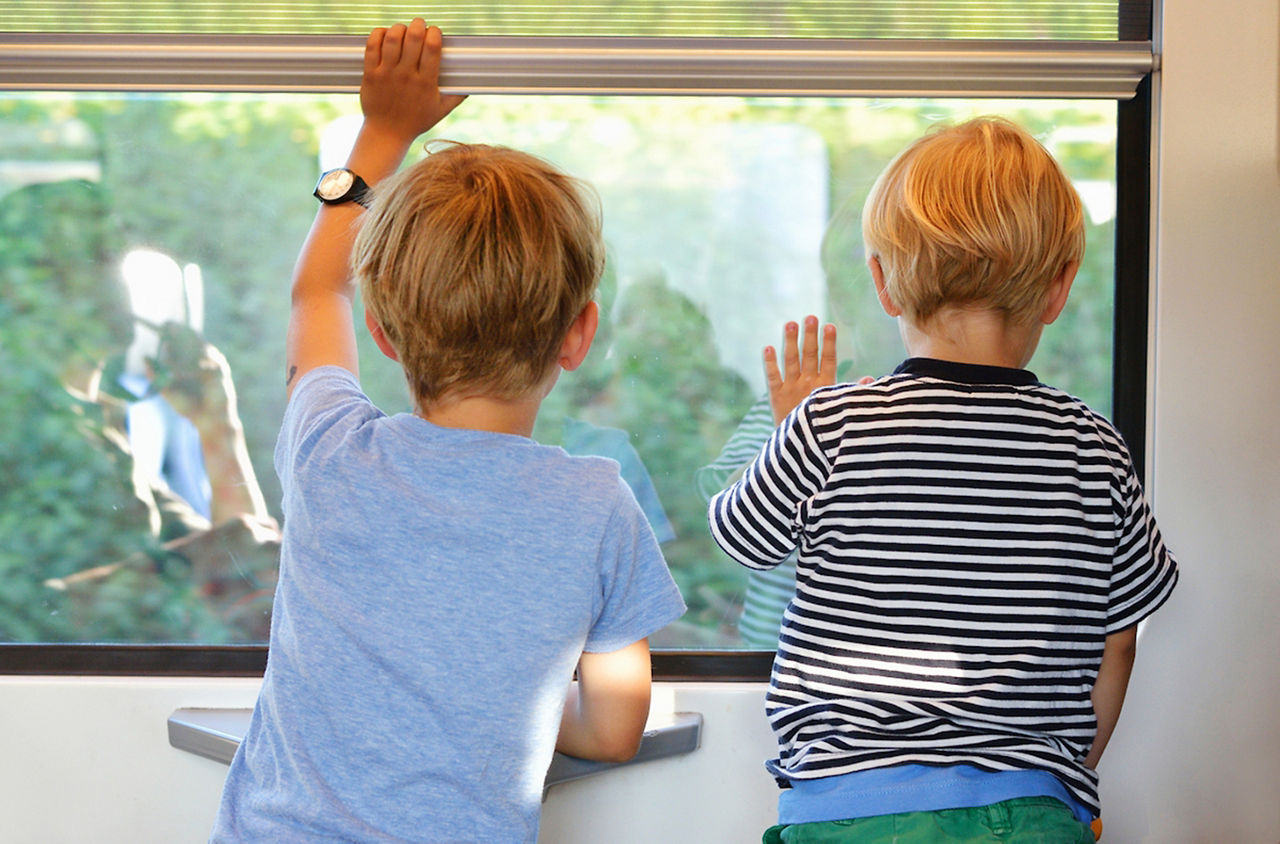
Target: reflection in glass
[724,217]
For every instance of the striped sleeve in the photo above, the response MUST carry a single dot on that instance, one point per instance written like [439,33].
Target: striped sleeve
[756,520]
[1143,572]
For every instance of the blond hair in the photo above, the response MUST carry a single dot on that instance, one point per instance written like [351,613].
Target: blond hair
[475,262]
[975,214]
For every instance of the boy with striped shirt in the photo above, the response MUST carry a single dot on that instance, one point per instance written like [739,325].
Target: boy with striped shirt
[975,549]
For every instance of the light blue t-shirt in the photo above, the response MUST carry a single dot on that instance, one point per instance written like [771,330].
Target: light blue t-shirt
[437,587]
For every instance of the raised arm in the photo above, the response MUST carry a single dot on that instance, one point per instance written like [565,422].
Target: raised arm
[606,710]
[1108,690]
[195,378]
[400,98]
[234,484]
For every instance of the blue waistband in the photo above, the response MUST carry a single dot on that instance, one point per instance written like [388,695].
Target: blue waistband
[914,788]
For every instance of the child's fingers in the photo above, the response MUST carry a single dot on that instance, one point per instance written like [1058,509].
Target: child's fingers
[432,56]
[827,367]
[433,43]
[393,45]
[373,49]
[772,376]
[791,350]
[414,37]
[429,65]
[809,357]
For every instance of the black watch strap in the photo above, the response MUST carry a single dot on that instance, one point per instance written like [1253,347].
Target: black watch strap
[341,185]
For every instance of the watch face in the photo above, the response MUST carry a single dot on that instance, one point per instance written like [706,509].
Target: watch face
[335,184]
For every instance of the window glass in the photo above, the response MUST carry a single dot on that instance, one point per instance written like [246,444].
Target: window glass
[1044,19]
[135,228]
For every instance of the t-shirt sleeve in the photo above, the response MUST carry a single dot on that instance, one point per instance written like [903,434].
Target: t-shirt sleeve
[325,402]
[638,596]
[756,521]
[1143,571]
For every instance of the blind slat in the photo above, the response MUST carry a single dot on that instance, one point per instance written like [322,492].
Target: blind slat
[1007,19]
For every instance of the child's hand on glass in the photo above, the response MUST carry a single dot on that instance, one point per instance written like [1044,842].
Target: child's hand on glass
[802,372]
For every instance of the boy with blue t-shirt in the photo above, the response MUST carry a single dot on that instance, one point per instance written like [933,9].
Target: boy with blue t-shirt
[442,574]
[974,547]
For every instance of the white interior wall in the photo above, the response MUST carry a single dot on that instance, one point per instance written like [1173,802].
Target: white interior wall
[88,759]
[1196,757]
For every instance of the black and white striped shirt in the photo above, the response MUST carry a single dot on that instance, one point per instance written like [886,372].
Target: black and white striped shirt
[967,539]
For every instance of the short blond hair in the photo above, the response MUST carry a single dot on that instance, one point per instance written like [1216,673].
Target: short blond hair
[975,214]
[475,261]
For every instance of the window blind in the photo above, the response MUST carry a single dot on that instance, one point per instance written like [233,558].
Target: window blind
[983,19]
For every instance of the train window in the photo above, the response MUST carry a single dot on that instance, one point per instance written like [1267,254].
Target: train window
[147,236]
[177,218]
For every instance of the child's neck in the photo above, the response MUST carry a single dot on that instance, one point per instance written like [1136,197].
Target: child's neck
[971,335]
[480,412]
[485,413]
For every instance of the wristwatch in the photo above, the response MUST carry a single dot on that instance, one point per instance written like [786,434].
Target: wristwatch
[341,185]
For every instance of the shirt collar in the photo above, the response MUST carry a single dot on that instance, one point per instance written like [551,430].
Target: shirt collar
[966,373]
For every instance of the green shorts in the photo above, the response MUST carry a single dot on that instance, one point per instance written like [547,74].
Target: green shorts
[1023,820]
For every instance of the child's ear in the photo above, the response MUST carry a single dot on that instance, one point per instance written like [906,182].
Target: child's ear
[1059,288]
[877,275]
[578,341]
[380,337]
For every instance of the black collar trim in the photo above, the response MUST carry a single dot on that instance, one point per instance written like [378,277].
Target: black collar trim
[966,373]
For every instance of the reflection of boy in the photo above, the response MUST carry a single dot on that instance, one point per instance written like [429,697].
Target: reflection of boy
[975,547]
[768,591]
[165,444]
[109,562]
[442,574]
[585,438]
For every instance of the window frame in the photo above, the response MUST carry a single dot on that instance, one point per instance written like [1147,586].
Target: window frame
[1118,70]
[631,65]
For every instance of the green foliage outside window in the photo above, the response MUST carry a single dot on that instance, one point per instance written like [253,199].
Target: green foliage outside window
[224,182]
